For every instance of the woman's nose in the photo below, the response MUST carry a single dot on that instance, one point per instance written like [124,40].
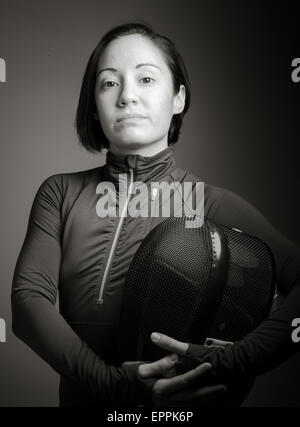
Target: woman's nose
[127,95]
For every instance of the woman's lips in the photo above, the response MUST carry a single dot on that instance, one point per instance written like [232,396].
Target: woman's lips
[131,117]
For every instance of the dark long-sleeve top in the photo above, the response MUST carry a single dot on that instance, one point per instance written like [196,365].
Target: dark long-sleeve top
[71,248]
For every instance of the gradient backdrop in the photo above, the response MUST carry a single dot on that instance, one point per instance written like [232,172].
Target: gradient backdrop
[241,132]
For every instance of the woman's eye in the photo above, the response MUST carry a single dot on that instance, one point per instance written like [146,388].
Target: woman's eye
[109,84]
[147,80]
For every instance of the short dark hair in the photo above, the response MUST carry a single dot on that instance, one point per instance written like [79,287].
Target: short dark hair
[89,130]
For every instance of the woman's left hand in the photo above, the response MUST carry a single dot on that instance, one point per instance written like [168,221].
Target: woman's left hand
[184,389]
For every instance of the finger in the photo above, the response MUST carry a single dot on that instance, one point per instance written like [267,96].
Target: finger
[168,343]
[170,373]
[132,362]
[180,382]
[159,367]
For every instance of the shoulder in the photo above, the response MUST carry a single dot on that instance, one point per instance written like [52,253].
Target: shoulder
[229,208]
[58,192]
[63,184]
[234,210]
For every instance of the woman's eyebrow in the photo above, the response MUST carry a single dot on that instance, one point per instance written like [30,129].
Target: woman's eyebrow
[106,69]
[146,64]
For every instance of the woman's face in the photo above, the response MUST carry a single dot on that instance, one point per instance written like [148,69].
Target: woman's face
[135,96]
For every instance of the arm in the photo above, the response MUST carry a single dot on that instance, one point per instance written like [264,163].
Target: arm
[270,343]
[34,317]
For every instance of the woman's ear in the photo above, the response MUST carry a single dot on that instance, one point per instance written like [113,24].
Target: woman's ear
[179,101]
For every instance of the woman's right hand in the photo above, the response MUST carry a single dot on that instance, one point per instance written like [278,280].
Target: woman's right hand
[160,385]
[187,389]
[141,386]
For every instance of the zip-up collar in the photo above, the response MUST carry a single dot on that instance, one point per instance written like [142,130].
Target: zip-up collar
[139,168]
[145,168]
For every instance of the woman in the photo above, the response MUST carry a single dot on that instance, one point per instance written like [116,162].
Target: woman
[134,95]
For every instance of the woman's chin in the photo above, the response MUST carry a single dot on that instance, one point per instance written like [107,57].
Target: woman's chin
[132,143]
[136,144]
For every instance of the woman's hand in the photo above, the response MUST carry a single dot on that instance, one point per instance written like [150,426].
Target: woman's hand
[141,387]
[196,356]
[184,389]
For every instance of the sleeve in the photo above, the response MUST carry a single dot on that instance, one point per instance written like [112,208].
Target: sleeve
[35,319]
[271,342]
[234,211]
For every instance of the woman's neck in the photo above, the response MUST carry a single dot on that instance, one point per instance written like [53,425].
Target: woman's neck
[146,150]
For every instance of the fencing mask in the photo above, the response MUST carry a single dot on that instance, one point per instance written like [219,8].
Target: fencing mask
[192,283]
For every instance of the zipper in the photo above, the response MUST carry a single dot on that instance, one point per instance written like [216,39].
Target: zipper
[105,277]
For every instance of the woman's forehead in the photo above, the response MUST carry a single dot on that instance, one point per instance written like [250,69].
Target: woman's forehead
[131,50]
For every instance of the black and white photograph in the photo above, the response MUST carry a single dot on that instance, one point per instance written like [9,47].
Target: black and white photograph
[150,239]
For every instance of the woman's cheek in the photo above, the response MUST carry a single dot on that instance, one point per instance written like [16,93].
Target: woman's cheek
[163,113]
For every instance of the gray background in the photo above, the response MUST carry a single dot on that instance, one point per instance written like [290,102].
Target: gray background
[240,133]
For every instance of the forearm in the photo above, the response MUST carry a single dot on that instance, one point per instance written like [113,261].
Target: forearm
[260,351]
[40,326]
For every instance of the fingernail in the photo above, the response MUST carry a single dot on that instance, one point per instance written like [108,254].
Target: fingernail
[174,357]
[155,337]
